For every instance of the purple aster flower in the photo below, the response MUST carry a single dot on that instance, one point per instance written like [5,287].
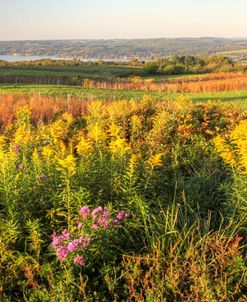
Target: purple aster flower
[73,245]
[65,235]
[55,240]
[79,260]
[103,222]
[97,210]
[62,252]
[94,226]
[85,240]
[85,211]
[122,215]
[79,226]
[116,221]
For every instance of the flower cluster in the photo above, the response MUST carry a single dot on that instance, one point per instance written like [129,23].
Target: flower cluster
[232,147]
[65,245]
[100,217]
[91,222]
[121,216]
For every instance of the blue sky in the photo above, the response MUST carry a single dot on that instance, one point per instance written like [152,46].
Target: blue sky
[89,19]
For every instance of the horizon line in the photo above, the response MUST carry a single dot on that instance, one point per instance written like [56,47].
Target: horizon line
[109,39]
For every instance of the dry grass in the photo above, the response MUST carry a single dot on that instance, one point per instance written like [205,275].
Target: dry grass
[43,108]
[204,83]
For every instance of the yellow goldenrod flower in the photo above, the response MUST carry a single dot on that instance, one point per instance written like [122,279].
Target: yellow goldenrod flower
[155,160]
[58,130]
[233,150]
[136,123]
[119,146]
[115,131]
[224,150]
[23,113]
[132,163]
[97,134]
[239,139]
[183,102]
[84,146]
[2,141]
[23,136]
[67,165]
[48,152]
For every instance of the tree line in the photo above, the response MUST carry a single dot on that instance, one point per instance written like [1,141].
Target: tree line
[192,65]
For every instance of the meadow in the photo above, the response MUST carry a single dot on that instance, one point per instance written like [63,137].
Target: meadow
[81,93]
[125,188]
[128,200]
[90,71]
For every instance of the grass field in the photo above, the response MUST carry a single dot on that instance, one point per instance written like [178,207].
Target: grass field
[107,72]
[91,72]
[94,93]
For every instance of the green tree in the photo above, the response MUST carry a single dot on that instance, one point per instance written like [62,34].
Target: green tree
[151,67]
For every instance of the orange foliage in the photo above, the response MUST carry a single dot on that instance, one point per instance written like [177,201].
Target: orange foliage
[43,108]
[215,82]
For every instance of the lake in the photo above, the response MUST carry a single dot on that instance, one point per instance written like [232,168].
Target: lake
[17,58]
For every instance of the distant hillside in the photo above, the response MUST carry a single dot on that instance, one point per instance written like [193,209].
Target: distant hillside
[135,48]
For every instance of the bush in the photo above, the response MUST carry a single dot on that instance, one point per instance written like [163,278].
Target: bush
[151,68]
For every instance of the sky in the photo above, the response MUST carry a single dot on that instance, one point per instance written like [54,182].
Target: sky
[106,19]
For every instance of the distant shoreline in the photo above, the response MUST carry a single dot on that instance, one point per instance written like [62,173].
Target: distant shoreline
[124,50]
[20,58]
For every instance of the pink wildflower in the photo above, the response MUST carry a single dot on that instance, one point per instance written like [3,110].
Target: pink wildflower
[94,226]
[73,245]
[79,260]
[85,240]
[97,210]
[55,240]
[101,216]
[121,215]
[103,222]
[79,226]
[65,235]
[62,252]
[85,211]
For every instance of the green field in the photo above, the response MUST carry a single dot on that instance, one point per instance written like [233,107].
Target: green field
[104,72]
[94,93]
[92,71]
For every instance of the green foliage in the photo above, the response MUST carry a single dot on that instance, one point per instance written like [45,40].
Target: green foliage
[176,65]
[151,68]
[197,65]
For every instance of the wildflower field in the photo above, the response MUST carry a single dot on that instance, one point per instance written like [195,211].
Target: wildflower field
[127,200]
